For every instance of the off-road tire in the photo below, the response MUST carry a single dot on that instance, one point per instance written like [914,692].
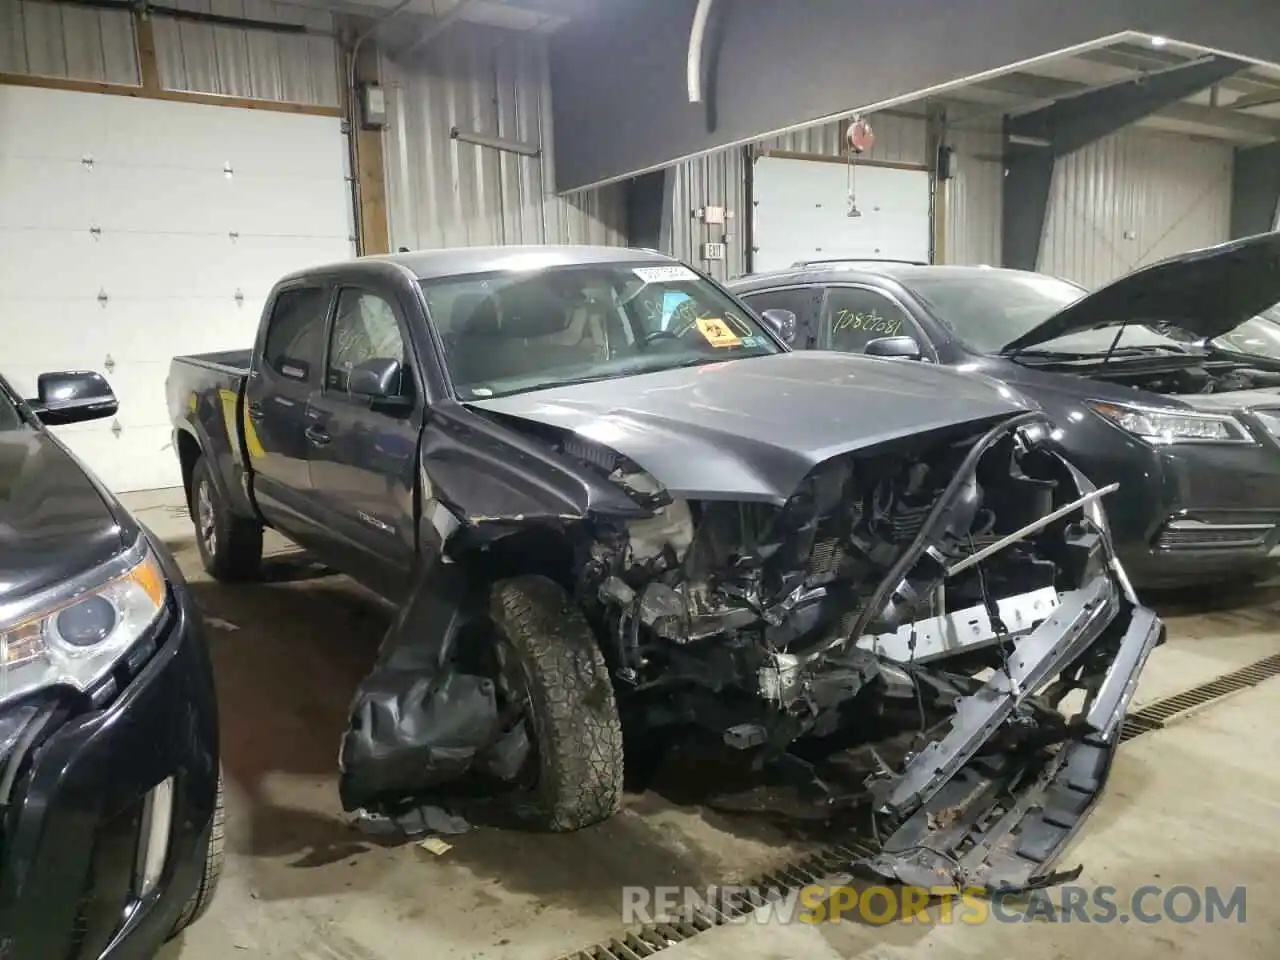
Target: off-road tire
[576,731]
[213,859]
[235,554]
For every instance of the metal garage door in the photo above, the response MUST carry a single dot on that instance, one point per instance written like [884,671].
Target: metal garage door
[132,230]
[802,207]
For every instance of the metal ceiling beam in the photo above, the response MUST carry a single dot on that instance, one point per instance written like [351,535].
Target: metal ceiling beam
[1036,140]
[1050,88]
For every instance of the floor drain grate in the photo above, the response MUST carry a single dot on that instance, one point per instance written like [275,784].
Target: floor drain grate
[725,906]
[1159,712]
[654,938]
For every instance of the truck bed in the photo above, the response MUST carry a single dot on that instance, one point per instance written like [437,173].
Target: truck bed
[225,361]
[205,393]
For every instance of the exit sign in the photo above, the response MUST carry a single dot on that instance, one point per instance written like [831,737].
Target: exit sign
[713,251]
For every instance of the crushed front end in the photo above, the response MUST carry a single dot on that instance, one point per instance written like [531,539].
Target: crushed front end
[948,605]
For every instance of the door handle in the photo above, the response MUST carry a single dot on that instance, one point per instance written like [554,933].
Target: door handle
[318,435]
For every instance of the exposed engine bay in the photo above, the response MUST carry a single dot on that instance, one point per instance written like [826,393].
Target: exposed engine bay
[936,600]
[1177,375]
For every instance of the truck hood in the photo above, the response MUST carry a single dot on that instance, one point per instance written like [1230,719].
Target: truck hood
[751,429]
[1205,292]
[54,523]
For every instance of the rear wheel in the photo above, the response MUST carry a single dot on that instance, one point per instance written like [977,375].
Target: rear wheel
[213,858]
[550,663]
[230,546]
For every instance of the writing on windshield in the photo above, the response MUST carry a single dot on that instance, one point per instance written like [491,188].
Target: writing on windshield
[510,332]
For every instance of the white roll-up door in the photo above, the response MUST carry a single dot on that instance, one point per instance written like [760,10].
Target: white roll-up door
[801,210]
[132,230]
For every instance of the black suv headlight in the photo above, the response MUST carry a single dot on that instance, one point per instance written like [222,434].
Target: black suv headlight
[74,634]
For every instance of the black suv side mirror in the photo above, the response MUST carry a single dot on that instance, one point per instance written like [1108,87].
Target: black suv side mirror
[898,348]
[73,396]
[782,322]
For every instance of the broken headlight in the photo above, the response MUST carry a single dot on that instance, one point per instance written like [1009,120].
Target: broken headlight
[73,635]
[1172,426]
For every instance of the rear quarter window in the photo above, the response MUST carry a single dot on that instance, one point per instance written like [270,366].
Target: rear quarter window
[295,333]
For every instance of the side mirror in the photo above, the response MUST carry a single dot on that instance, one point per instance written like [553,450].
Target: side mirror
[378,379]
[782,322]
[897,348]
[73,396]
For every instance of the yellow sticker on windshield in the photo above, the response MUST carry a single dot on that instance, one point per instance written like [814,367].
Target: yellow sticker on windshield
[717,332]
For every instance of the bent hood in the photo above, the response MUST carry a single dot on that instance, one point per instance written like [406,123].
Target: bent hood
[751,429]
[53,522]
[1205,292]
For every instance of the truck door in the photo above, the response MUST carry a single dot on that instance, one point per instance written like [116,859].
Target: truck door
[285,372]
[365,451]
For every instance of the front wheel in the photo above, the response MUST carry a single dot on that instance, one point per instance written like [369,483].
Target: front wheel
[230,546]
[569,704]
[213,858]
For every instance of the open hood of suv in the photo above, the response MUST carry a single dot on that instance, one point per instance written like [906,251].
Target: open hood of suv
[1206,292]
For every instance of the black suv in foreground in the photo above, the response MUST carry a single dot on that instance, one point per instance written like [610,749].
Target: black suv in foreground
[1141,384]
[110,793]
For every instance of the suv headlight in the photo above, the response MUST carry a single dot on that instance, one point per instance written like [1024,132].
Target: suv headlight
[1172,426]
[73,635]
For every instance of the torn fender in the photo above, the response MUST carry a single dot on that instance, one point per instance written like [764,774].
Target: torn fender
[417,720]
[487,472]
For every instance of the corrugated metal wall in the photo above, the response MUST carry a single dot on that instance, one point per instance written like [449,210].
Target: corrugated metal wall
[1134,198]
[442,192]
[237,62]
[718,179]
[973,198]
[76,43]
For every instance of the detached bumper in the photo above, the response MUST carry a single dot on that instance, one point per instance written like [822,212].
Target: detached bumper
[71,840]
[1000,821]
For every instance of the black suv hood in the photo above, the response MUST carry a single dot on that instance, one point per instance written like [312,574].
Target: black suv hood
[1205,292]
[54,522]
[751,429]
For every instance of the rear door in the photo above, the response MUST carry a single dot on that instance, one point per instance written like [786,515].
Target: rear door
[364,454]
[287,370]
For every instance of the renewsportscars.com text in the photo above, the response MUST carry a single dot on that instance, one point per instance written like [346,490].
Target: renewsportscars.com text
[944,905]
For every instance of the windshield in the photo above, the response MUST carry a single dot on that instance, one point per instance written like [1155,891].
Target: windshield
[988,309]
[1258,336]
[511,332]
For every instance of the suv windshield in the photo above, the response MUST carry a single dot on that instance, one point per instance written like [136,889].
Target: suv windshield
[989,309]
[511,332]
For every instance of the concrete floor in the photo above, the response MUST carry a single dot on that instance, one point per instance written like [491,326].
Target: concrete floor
[1195,804]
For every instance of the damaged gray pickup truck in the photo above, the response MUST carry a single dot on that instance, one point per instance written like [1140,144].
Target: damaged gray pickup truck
[602,494]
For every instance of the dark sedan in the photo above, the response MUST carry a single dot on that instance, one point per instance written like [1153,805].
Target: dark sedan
[110,793]
[1150,380]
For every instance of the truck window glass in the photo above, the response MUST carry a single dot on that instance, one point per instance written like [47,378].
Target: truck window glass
[856,316]
[9,419]
[364,328]
[295,333]
[512,332]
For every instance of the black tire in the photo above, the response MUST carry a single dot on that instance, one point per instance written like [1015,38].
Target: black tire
[577,736]
[213,859]
[230,546]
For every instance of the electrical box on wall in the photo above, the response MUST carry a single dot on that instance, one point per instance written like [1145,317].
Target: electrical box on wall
[713,251]
[373,107]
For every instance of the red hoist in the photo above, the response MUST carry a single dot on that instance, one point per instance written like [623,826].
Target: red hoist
[860,138]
